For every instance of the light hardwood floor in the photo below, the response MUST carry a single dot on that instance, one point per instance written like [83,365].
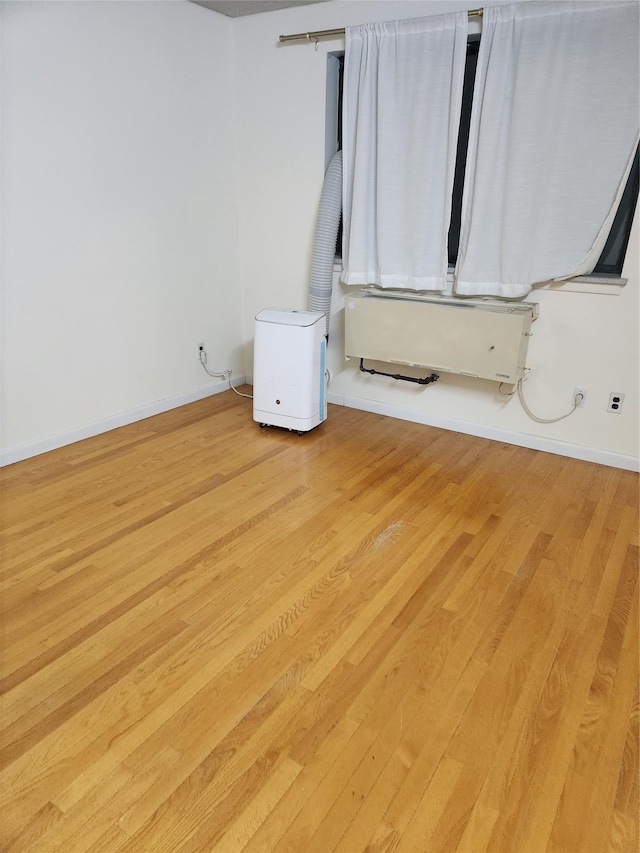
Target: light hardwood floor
[377,636]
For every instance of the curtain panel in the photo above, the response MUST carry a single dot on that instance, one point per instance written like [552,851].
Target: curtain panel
[401,108]
[554,129]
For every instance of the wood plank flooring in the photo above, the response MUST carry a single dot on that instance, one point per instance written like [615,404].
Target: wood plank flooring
[378,636]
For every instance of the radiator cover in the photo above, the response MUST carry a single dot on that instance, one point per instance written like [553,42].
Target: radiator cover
[483,339]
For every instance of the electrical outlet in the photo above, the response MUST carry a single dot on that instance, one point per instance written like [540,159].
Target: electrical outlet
[580,390]
[616,399]
[202,354]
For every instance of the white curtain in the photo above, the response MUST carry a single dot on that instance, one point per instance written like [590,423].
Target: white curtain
[401,105]
[554,129]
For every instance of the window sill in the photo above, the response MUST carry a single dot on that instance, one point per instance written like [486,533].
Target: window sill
[608,285]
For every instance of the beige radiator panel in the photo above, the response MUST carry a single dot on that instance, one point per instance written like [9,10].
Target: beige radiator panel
[485,341]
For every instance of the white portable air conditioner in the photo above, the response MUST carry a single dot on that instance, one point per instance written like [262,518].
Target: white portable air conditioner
[289,376]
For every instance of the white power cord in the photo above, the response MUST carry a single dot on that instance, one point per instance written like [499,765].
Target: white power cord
[239,393]
[520,393]
[226,373]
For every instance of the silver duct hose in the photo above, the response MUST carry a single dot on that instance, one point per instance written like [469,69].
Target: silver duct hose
[324,242]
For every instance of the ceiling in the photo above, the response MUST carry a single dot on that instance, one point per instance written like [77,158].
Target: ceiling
[237,8]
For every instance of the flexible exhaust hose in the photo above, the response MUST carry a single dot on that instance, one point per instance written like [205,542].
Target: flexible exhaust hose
[324,243]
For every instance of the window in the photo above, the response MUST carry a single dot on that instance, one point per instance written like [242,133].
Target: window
[473,45]
[615,249]
[612,258]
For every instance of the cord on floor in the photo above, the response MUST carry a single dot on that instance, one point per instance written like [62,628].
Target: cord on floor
[239,393]
[225,374]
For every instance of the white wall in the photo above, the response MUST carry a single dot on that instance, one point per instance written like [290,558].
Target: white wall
[580,339]
[119,213]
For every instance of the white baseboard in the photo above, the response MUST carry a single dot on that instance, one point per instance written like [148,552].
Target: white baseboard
[53,442]
[534,442]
